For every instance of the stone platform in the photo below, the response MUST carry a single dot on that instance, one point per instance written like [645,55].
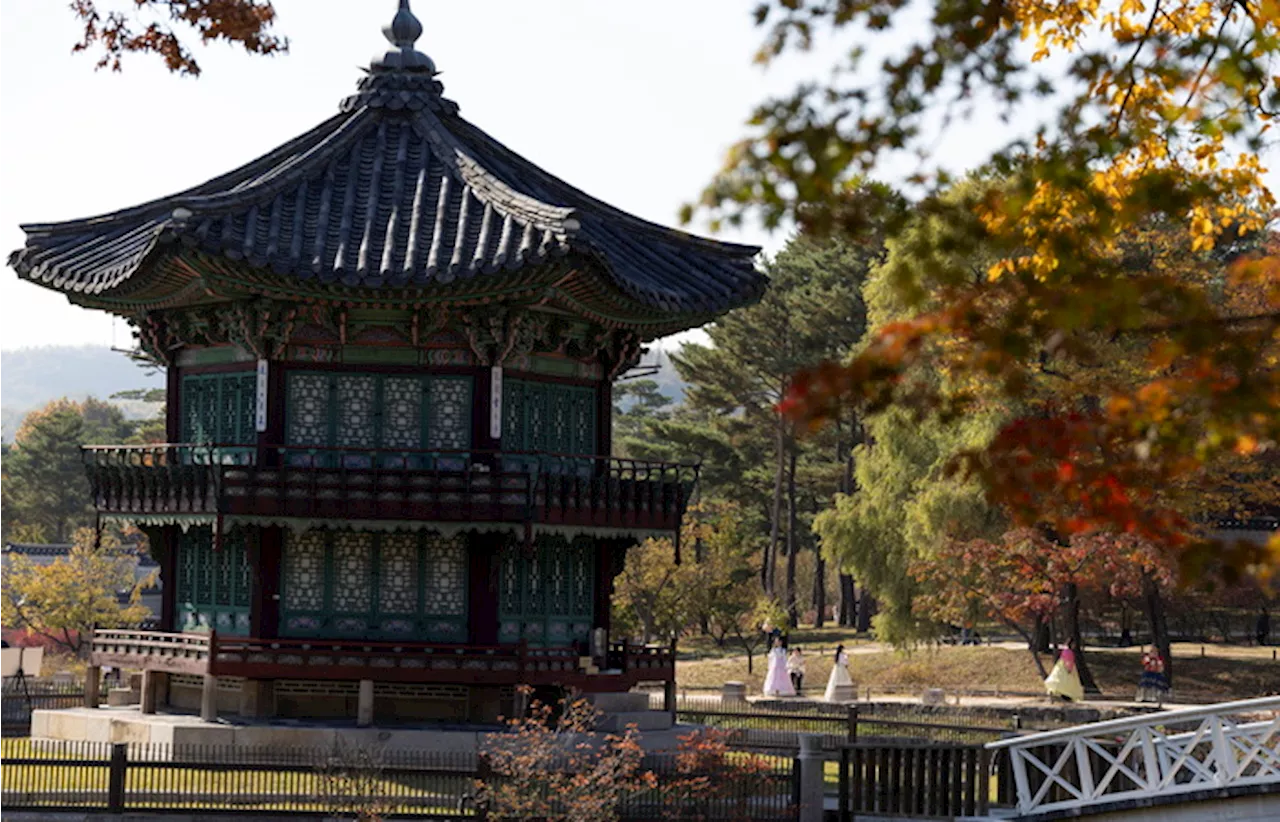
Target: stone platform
[128,724]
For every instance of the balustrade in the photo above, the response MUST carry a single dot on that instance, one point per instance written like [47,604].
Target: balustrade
[580,490]
[1167,753]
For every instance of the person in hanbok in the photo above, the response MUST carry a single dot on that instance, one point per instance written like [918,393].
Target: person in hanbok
[795,669]
[839,684]
[1154,685]
[776,680]
[1064,680]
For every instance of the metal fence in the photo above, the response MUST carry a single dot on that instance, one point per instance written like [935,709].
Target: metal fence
[49,776]
[778,724]
[18,699]
[921,780]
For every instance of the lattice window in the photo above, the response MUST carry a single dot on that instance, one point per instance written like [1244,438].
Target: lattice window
[304,571]
[218,408]
[352,572]
[398,574]
[582,586]
[308,412]
[553,551]
[449,427]
[187,561]
[244,574]
[512,592]
[357,418]
[446,575]
[548,417]
[402,413]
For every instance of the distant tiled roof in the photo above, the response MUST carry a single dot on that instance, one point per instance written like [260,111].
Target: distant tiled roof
[396,191]
[62,549]
[37,549]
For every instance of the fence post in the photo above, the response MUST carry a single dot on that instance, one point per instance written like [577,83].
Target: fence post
[846,812]
[853,724]
[811,763]
[115,777]
[92,685]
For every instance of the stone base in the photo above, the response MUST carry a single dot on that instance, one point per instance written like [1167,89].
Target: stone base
[844,693]
[128,724]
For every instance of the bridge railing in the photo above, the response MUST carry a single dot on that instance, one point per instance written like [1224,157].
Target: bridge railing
[1162,754]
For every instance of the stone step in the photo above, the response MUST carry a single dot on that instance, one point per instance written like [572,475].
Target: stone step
[617,702]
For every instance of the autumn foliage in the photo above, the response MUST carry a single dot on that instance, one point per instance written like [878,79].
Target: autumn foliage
[1046,263]
[116,33]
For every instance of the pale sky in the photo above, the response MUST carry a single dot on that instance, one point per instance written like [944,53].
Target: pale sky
[634,102]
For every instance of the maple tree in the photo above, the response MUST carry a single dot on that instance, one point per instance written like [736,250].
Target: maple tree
[140,27]
[1161,111]
[1026,578]
[63,602]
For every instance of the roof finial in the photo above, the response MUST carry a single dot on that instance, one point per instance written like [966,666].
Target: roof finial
[403,32]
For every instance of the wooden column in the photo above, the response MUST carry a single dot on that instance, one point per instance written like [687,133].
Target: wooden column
[482,588]
[274,435]
[209,699]
[171,536]
[264,607]
[604,419]
[481,396]
[92,685]
[173,402]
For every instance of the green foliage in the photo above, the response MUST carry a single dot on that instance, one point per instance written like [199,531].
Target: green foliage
[905,507]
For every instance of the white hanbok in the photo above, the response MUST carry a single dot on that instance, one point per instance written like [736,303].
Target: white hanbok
[776,680]
[840,684]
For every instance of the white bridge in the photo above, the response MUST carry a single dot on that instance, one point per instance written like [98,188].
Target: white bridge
[1213,753]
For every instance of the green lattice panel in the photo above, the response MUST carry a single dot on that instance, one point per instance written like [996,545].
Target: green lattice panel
[547,597]
[373,411]
[356,584]
[214,587]
[549,418]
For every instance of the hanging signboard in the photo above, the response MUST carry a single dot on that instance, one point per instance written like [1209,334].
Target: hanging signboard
[495,402]
[260,410]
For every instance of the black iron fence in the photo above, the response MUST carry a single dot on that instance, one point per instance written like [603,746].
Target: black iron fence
[921,780]
[778,724]
[18,699]
[48,776]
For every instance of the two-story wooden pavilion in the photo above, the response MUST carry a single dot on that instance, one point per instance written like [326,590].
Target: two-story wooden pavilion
[389,345]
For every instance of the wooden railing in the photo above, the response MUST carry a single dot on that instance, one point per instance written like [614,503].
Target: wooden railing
[152,650]
[341,659]
[287,481]
[1147,758]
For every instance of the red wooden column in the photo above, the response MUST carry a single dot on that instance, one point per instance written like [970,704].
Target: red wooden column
[482,588]
[173,402]
[267,555]
[610,556]
[169,578]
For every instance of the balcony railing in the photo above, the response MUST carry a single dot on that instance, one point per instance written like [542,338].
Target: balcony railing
[380,661]
[345,483]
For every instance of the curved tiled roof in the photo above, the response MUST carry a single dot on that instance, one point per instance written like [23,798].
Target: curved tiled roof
[395,191]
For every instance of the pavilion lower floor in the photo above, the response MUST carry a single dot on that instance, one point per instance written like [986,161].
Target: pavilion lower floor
[390,586]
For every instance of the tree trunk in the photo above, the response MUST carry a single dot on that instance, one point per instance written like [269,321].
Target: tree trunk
[1075,640]
[1153,603]
[848,600]
[1040,643]
[793,608]
[820,589]
[770,566]
[866,609]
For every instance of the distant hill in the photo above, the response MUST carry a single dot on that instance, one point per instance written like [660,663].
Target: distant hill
[31,377]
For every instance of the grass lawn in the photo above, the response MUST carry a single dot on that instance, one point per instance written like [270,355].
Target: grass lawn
[1225,672]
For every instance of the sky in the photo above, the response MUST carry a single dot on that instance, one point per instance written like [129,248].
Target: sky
[634,102]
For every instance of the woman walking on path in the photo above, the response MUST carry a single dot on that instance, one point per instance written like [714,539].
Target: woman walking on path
[1064,680]
[776,681]
[1154,685]
[840,684]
